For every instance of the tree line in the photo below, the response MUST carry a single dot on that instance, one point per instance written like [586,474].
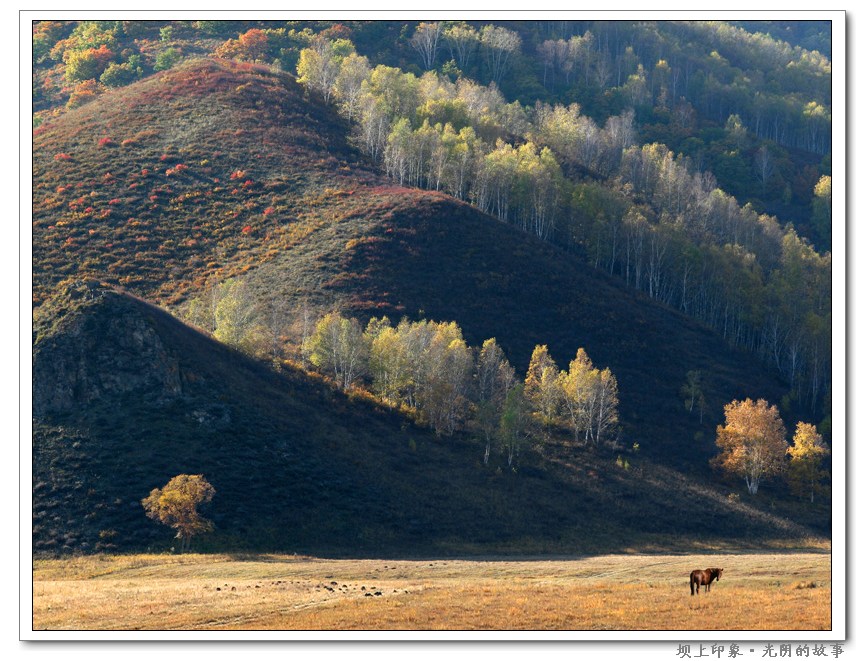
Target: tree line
[425,368]
[684,78]
[709,65]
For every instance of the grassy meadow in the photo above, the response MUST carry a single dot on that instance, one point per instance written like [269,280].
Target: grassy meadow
[758,591]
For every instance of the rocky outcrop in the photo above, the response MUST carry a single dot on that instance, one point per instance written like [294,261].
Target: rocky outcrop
[93,343]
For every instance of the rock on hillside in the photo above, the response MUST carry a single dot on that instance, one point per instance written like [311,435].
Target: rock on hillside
[103,347]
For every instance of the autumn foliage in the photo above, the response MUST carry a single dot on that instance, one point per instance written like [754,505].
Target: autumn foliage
[807,455]
[250,46]
[176,505]
[752,442]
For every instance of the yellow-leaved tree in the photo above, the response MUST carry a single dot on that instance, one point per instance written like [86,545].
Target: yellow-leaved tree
[590,399]
[752,442]
[176,505]
[806,458]
[542,388]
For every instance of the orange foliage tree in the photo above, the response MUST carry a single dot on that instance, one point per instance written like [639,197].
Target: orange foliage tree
[752,442]
[250,46]
[87,64]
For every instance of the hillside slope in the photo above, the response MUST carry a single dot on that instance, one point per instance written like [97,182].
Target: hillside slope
[300,467]
[208,168]
[219,169]
[426,255]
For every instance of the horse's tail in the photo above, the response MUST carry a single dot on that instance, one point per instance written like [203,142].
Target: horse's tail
[692,585]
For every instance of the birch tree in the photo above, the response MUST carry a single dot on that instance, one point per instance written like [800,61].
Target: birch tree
[692,392]
[606,417]
[499,46]
[348,85]
[806,458]
[542,387]
[389,362]
[462,40]
[448,365]
[425,41]
[514,423]
[494,379]
[752,442]
[337,348]
[319,65]
[235,316]
[578,389]
[590,400]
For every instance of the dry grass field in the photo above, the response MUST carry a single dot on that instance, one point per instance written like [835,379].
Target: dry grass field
[758,591]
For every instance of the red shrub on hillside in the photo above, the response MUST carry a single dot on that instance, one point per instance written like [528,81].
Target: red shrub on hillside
[84,92]
[180,167]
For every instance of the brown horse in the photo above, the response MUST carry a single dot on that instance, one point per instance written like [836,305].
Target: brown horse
[704,577]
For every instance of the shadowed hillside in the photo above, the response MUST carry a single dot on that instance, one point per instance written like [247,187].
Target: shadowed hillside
[426,255]
[300,467]
[244,175]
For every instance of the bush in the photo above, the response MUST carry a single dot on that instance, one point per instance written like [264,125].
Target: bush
[87,64]
[83,93]
[167,59]
[118,75]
